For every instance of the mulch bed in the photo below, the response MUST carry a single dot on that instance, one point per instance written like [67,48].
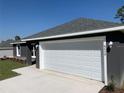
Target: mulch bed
[14,60]
[104,90]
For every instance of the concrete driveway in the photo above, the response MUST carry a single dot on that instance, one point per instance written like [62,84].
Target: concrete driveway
[33,80]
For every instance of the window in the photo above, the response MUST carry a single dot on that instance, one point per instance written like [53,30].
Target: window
[18,50]
[33,52]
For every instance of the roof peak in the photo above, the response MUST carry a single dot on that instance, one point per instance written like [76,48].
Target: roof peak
[94,19]
[76,25]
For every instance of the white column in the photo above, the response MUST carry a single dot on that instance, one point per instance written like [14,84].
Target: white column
[33,51]
[41,56]
[105,62]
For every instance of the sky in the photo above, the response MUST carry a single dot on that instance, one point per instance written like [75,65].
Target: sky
[27,17]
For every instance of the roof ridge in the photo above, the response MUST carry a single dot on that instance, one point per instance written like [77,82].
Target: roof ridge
[98,20]
[76,25]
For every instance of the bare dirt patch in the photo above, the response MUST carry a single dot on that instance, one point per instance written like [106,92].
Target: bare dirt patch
[104,90]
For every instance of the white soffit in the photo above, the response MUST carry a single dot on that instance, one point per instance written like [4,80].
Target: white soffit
[18,43]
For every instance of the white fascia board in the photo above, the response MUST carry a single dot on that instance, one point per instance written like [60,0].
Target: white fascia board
[18,43]
[121,28]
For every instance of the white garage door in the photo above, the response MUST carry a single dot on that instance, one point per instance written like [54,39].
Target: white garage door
[79,57]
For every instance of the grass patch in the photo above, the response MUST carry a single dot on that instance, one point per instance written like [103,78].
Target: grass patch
[6,67]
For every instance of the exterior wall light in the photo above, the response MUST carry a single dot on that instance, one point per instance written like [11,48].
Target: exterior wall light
[37,46]
[110,44]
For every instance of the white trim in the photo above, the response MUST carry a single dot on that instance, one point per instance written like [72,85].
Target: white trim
[105,62]
[18,43]
[33,52]
[17,51]
[98,38]
[79,33]
[41,56]
[33,56]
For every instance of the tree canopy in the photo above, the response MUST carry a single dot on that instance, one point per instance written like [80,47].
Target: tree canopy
[6,43]
[17,38]
[120,14]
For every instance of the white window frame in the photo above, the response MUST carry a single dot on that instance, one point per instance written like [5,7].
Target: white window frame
[18,54]
[33,51]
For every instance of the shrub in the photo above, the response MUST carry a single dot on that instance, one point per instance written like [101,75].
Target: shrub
[111,85]
[123,85]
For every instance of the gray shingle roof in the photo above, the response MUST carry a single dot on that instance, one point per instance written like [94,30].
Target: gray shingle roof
[77,25]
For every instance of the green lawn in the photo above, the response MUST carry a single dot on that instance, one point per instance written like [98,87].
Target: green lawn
[6,67]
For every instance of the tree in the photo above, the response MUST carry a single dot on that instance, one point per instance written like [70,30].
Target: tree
[6,43]
[17,38]
[120,14]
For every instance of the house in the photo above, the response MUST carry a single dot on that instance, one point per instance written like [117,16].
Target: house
[6,52]
[24,51]
[84,47]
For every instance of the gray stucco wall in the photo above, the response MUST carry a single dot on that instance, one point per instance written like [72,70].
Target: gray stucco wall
[28,54]
[121,47]
[23,50]
[115,58]
[14,50]
[114,64]
[37,57]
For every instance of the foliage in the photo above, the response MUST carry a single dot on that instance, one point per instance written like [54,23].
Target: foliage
[6,43]
[17,38]
[123,85]
[120,14]
[111,85]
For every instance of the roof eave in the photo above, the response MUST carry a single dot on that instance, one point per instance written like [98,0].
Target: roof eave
[118,28]
[21,42]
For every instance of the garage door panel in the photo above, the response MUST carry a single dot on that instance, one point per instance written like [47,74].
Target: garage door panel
[76,68]
[80,67]
[59,56]
[82,54]
[80,72]
[68,58]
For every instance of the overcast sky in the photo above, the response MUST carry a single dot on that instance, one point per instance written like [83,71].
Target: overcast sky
[26,17]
